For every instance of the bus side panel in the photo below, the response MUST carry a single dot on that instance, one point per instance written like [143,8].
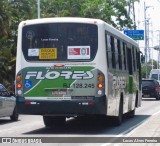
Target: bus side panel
[118,84]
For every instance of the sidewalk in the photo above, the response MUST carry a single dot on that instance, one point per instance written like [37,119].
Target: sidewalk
[149,129]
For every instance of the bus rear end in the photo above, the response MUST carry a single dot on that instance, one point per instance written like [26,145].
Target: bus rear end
[56,74]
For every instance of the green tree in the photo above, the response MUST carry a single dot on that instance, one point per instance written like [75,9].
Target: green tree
[4,30]
[4,19]
[112,11]
[11,13]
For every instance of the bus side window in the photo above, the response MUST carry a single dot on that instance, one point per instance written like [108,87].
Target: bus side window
[124,55]
[116,54]
[137,59]
[109,52]
[134,61]
[113,52]
[119,54]
[130,61]
[107,48]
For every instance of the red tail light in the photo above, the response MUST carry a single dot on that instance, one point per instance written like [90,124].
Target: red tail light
[156,88]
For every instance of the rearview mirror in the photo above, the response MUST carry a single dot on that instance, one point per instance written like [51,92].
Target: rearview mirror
[142,58]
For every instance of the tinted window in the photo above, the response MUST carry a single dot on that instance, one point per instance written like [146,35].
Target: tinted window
[124,55]
[129,61]
[148,83]
[60,42]
[119,54]
[3,91]
[2,88]
[113,52]
[107,48]
[133,56]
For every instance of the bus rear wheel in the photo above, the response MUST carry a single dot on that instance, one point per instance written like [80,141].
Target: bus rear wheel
[51,121]
[131,114]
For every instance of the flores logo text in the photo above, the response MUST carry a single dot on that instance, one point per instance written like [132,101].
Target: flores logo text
[54,74]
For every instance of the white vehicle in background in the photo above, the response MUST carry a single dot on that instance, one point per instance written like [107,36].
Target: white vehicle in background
[155,74]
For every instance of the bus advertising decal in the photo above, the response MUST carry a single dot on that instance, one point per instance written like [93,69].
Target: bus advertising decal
[28,84]
[48,53]
[78,52]
[51,82]
[43,53]
[55,74]
[33,52]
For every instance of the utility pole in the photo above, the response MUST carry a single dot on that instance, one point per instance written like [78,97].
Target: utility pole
[157,48]
[158,51]
[131,11]
[148,38]
[145,49]
[146,22]
[38,5]
[152,48]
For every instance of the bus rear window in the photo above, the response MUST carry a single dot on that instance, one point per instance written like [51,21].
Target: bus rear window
[60,42]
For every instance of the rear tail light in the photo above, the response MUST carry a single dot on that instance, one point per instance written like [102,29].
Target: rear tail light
[100,84]
[156,88]
[27,103]
[19,81]
[18,78]
[19,86]
[100,78]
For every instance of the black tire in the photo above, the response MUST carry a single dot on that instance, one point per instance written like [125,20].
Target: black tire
[15,115]
[131,114]
[157,97]
[51,121]
[118,120]
[47,121]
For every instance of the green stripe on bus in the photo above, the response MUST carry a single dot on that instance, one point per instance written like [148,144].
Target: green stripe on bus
[130,84]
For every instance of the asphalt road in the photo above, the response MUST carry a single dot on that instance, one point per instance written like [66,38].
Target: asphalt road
[79,132]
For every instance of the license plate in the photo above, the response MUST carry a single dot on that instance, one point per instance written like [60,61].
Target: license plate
[146,95]
[59,92]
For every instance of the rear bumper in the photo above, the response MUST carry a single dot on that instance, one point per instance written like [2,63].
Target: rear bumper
[149,94]
[97,106]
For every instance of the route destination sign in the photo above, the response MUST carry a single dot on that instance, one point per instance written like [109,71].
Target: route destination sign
[135,34]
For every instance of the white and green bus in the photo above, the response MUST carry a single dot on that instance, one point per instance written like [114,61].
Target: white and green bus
[71,67]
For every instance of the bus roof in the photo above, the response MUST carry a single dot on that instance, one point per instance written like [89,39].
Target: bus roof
[63,19]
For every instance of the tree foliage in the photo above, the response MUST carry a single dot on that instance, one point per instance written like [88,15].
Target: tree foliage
[12,12]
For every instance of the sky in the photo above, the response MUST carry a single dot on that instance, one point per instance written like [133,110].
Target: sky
[152,12]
